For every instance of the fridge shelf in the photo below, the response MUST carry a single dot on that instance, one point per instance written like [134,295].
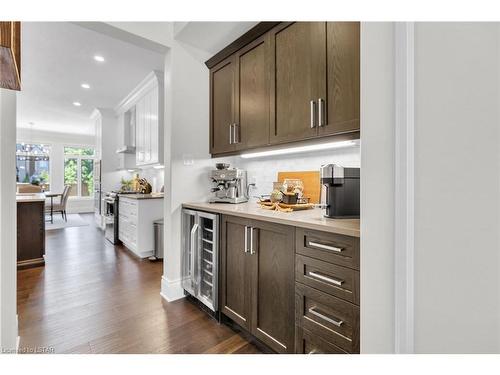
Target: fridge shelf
[208,273]
[208,262]
[208,251]
[208,283]
[208,230]
[208,241]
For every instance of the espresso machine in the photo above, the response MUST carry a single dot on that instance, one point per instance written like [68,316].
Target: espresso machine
[340,191]
[229,185]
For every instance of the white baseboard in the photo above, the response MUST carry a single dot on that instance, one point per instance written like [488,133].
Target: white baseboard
[18,342]
[171,290]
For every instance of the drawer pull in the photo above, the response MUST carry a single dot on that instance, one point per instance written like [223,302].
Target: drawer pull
[326,247]
[335,322]
[321,277]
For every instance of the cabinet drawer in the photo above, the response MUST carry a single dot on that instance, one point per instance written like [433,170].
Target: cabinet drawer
[329,317]
[329,247]
[336,280]
[307,343]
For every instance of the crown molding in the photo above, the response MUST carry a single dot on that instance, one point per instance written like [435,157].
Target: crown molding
[155,78]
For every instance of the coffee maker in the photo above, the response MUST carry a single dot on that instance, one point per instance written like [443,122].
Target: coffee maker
[340,191]
[229,185]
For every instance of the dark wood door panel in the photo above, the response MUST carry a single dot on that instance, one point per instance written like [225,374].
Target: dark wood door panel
[307,343]
[235,271]
[252,97]
[222,96]
[343,77]
[298,76]
[336,320]
[328,247]
[336,280]
[273,287]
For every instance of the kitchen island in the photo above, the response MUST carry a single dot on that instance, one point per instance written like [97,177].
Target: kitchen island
[30,230]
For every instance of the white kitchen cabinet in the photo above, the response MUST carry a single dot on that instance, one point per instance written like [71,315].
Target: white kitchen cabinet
[135,223]
[146,100]
[149,127]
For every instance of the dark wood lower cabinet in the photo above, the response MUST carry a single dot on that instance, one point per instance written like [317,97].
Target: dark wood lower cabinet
[257,279]
[235,271]
[30,234]
[278,284]
[273,285]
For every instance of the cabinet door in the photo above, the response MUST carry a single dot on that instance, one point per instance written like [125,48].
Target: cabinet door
[222,97]
[235,271]
[139,113]
[155,134]
[147,127]
[252,94]
[298,76]
[342,53]
[272,253]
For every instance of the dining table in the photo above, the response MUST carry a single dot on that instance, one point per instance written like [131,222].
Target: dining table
[52,195]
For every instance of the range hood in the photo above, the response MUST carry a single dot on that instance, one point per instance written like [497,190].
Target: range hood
[125,150]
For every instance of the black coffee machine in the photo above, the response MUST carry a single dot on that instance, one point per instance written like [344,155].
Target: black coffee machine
[340,191]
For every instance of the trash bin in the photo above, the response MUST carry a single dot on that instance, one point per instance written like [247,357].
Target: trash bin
[158,231]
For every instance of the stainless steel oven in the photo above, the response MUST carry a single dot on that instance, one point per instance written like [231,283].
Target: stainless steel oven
[111,217]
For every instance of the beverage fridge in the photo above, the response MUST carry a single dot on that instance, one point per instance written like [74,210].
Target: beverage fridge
[200,255]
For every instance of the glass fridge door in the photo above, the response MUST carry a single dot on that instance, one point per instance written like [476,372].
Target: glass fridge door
[208,258]
[189,250]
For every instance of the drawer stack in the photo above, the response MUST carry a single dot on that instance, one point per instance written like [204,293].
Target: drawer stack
[326,293]
[127,224]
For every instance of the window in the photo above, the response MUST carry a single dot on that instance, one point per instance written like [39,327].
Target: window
[79,170]
[33,164]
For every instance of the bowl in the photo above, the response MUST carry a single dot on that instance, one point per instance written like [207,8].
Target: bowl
[222,165]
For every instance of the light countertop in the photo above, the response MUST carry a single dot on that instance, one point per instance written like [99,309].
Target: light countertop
[142,196]
[310,219]
[30,197]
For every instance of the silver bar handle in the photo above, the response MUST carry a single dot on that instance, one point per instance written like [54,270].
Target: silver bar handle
[246,238]
[326,247]
[236,136]
[325,278]
[230,134]
[321,112]
[335,322]
[252,252]
[192,247]
[313,114]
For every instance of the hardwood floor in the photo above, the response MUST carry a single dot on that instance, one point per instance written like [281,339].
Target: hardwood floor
[93,297]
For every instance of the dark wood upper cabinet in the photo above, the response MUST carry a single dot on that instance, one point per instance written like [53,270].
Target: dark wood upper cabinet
[252,94]
[222,106]
[343,64]
[273,285]
[10,55]
[235,272]
[298,76]
[285,82]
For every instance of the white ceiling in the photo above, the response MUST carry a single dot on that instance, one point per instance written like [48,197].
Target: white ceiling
[57,57]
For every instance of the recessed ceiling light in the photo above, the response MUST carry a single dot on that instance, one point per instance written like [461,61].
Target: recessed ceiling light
[99,58]
[85,85]
[77,104]
[31,123]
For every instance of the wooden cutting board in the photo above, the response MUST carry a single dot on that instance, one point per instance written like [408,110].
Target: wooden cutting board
[311,183]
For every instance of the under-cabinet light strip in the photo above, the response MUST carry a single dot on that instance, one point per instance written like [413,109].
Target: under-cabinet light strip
[295,150]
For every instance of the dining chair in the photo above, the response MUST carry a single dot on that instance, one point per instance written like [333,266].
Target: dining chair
[61,205]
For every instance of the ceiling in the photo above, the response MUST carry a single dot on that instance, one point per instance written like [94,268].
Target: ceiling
[57,57]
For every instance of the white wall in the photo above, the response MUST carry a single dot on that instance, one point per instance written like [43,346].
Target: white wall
[457,149]
[8,253]
[377,188]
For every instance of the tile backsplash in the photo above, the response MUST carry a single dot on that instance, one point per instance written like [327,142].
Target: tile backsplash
[264,171]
